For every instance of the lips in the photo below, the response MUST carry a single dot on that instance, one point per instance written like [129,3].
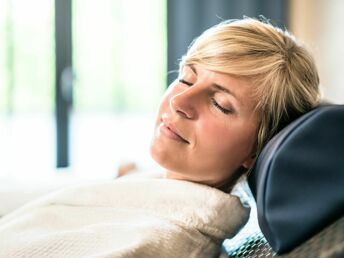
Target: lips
[169,130]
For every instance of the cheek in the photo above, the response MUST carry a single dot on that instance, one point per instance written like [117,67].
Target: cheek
[212,133]
[163,107]
[165,100]
[233,140]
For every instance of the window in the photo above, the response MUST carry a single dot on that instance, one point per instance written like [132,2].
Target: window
[26,84]
[119,56]
[119,62]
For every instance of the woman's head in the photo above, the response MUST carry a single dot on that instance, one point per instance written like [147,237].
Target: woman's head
[282,71]
[239,83]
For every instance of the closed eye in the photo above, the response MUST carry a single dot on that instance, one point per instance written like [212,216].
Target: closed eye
[185,82]
[222,109]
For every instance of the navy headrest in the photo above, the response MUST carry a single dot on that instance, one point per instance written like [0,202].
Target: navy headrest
[298,179]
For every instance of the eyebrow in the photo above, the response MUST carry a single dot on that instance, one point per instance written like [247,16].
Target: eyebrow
[192,68]
[217,86]
[225,90]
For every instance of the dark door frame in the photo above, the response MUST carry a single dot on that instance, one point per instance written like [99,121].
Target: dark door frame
[64,79]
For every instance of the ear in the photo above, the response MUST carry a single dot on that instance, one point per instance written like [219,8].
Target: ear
[249,162]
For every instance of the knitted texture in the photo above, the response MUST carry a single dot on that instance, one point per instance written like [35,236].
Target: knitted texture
[124,218]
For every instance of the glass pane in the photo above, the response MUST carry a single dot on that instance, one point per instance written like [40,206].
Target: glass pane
[26,84]
[119,57]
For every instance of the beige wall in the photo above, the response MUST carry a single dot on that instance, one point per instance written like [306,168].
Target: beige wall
[320,24]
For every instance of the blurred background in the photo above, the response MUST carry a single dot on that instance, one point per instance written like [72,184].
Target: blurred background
[80,80]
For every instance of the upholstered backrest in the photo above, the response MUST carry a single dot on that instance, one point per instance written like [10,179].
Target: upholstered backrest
[298,180]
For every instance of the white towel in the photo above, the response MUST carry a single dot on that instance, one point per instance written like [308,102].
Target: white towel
[124,218]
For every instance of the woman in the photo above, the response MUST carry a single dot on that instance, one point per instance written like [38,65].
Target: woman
[239,83]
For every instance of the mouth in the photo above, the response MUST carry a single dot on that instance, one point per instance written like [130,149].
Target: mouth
[170,131]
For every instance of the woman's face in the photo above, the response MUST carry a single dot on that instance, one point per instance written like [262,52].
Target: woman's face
[206,127]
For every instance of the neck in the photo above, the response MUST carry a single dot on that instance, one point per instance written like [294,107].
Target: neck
[225,186]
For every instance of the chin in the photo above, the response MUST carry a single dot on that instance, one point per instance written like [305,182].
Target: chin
[159,155]
[167,160]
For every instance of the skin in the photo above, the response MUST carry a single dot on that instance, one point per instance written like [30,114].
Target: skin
[206,127]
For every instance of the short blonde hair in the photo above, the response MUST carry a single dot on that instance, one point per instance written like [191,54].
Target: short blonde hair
[284,75]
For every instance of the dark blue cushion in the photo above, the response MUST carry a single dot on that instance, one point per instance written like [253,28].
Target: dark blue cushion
[298,179]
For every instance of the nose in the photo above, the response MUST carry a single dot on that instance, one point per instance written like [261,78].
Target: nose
[184,104]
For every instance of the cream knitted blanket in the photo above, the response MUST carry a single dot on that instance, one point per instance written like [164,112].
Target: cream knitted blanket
[124,218]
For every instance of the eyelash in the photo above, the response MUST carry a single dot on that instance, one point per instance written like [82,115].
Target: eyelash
[213,101]
[223,110]
[185,82]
